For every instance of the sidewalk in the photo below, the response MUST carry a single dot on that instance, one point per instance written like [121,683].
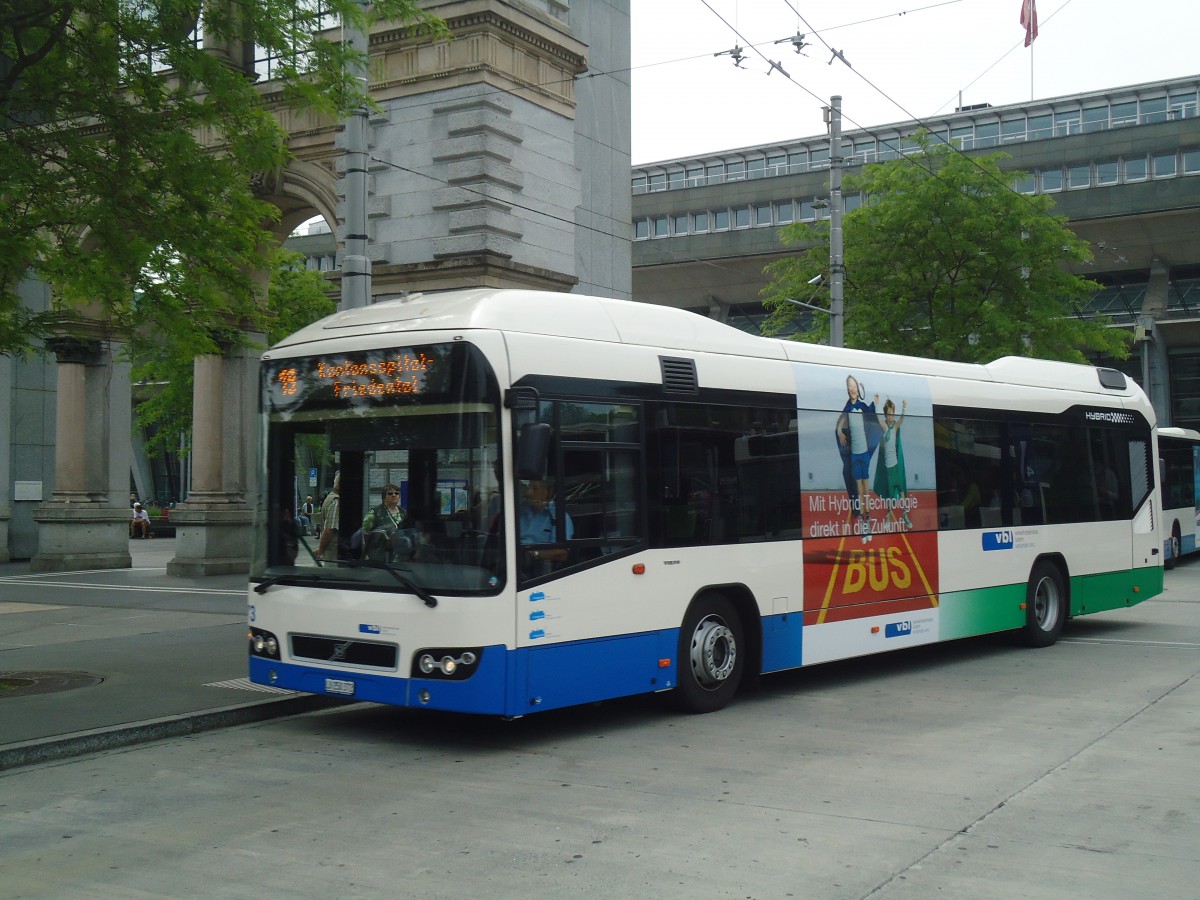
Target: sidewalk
[101,659]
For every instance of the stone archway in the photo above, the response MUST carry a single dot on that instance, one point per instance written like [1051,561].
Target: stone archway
[482,172]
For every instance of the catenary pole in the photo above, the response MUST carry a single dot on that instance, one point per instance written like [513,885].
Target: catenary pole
[837,268]
[356,265]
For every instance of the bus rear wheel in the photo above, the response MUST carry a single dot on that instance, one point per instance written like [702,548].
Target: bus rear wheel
[711,655]
[1176,548]
[1045,606]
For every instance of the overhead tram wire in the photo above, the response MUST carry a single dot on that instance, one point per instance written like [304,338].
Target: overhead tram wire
[915,159]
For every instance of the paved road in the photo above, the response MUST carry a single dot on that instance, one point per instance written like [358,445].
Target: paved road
[974,769]
[159,655]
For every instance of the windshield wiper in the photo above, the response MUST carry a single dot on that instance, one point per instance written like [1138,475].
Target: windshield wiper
[394,571]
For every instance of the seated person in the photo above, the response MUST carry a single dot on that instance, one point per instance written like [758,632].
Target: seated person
[139,525]
[537,524]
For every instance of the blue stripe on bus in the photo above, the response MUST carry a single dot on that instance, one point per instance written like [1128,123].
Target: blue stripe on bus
[531,679]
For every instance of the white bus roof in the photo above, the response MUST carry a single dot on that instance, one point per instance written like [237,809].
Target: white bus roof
[644,324]
[1186,434]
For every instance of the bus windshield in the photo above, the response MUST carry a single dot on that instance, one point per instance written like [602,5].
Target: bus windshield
[382,472]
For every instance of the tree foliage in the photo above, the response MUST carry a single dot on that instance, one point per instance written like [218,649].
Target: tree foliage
[163,371]
[946,260]
[108,187]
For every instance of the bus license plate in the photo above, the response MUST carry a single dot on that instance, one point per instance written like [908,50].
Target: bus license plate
[338,686]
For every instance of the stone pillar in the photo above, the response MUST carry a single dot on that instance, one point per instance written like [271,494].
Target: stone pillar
[6,470]
[213,526]
[85,524]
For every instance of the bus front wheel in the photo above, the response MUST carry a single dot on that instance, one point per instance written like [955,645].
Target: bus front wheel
[711,655]
[1045,606]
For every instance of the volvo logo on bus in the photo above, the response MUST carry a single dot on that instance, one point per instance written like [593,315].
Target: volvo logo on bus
[998,540]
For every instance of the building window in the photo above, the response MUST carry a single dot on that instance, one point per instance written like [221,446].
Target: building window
[715,173]
[762,214]
[961,136]
[741,217]
[1164,165]
[675,180]
[1135,169]
[700,221]
[777,165]
[1012,130]
[756,168]
[695,176]
[798,161]
[1191,161]
[639,184]
[1079,176]
[987,134]
[1183,106]
[659,224]
[1040,126]
[1095,118]
[1106,171]
[658,182]
[1052,180]
[735,171]
[819,159]
[641,229]
[680,224]
[1123,113]
[784,212]
[1025,185]
[852,202]
[720,220]
[1154,110]
[808,212]
[1068,122]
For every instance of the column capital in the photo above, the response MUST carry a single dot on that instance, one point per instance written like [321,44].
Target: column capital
[75,350]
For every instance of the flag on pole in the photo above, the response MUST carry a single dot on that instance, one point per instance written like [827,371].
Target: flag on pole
[1029,20]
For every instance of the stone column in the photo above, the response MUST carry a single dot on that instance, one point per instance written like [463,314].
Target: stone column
[213,526]
[6,470]
[83,525]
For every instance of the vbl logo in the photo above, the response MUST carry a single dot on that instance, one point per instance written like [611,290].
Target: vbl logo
[998,540]
[897,629]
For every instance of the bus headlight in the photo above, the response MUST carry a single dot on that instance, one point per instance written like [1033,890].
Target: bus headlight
[263,643]
[450,663]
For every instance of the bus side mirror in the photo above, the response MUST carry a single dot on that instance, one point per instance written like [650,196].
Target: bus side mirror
[533,450]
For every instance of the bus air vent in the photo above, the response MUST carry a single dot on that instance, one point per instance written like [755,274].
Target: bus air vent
[1111,379]
[679,375]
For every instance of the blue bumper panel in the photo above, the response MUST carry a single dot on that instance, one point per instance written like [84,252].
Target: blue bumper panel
[482,693]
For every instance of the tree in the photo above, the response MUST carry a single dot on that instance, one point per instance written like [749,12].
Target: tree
[946,260]
[163,412]
[109,188]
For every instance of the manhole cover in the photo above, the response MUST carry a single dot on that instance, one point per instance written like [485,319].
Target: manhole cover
[22,684]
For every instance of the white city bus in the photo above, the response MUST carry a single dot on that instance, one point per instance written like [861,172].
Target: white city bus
[1179,450]
[721,505]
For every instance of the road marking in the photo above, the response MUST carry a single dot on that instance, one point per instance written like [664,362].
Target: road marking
[24,581]
[15,607]
[1191,645]
[245,684]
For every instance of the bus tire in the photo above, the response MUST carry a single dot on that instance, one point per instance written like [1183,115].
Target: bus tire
[712,654]
[1045,605]
[1175,549]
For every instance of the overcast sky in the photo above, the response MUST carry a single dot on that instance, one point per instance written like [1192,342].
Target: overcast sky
[910,60]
